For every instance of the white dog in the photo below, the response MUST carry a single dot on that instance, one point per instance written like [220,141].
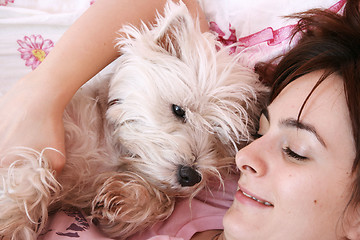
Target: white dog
[168,121]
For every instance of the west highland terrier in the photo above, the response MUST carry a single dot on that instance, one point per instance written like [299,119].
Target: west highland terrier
[169,120]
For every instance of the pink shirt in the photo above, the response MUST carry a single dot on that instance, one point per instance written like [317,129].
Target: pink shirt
[205,212]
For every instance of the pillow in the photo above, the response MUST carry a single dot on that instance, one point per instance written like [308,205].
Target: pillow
[258,26]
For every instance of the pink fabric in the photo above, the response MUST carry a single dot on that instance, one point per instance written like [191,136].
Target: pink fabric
[70,224]
[261,45]
[163,237]
[204,212]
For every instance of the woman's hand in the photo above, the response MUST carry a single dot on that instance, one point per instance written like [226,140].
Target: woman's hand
[30,117]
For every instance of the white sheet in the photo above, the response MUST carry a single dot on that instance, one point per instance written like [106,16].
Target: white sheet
[27,18]
[50,18]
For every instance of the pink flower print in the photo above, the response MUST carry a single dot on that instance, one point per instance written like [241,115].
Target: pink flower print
[221,35]
[34,49]
[5,2]
[91,2]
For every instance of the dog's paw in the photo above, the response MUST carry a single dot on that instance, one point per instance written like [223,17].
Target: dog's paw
[126,204]
[27,188]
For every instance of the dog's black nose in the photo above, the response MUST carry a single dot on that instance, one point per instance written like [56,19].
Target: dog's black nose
[188,176]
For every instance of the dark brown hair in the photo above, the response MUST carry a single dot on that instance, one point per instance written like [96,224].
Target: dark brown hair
[329,42]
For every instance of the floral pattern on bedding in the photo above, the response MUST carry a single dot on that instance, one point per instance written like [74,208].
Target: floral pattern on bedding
[74,227]
[269,35]
[221,35]
[79,225]
[5,2]
[34,49]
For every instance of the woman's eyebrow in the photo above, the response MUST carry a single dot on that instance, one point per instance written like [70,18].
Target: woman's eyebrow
[304,126]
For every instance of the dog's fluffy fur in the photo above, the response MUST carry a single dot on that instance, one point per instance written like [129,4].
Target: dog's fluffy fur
[168,121]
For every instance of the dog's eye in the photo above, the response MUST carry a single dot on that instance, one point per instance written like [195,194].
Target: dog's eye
[114,101]
[178,111]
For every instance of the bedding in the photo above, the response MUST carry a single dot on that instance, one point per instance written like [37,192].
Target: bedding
[29,29]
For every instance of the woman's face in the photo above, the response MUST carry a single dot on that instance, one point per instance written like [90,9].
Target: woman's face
[300,174]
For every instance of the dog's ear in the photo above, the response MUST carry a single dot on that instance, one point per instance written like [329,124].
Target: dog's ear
[174,28]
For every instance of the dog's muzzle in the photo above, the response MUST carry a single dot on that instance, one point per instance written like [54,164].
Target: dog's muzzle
[188,176]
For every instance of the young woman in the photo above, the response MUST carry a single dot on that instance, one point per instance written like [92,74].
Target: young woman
[301,179]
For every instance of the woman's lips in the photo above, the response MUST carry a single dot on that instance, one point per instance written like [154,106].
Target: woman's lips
[243,195]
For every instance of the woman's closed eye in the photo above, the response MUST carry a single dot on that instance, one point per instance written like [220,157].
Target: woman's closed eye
[290,153]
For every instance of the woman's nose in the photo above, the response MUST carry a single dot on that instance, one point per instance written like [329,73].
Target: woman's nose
[251,159]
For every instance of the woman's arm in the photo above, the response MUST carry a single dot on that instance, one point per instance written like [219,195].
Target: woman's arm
[31,112]
[88,45]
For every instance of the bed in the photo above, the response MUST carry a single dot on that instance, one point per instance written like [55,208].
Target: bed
[29,29]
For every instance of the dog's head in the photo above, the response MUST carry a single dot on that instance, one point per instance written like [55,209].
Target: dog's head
[179,103]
